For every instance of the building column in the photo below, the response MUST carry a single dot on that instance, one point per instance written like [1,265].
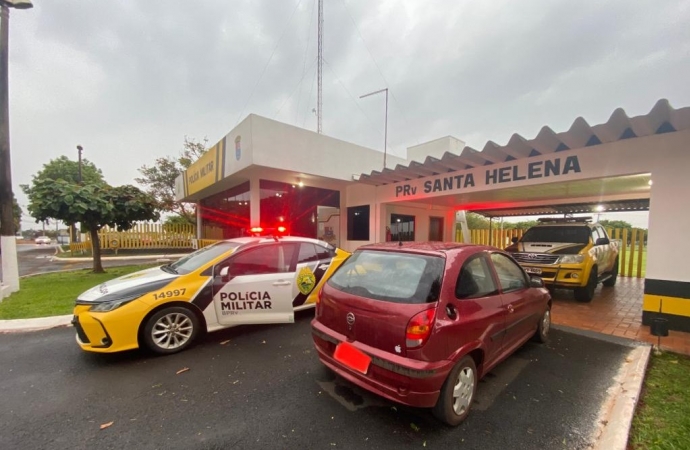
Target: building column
[199,222]
[254,202]
[667,280]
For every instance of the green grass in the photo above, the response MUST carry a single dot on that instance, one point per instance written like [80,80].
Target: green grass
[662,419]
[54,294]
[636,257]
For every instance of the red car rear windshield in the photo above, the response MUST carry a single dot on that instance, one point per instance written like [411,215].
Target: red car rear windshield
[390,276]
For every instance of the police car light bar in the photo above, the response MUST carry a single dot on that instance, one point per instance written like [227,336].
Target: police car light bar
[260,231]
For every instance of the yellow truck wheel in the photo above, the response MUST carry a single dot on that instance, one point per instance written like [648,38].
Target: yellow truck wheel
[586,294]
[610,282]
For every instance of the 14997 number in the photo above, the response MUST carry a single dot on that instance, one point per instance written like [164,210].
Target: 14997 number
[168,294]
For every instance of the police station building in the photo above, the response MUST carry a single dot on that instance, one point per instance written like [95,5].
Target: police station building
[270,174]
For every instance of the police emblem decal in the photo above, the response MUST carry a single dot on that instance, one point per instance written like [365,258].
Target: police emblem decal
[238,147]
[306,280]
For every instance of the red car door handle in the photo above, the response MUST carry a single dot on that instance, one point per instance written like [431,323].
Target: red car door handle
[510,308]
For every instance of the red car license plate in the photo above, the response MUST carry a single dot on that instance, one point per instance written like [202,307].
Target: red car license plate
[354,359]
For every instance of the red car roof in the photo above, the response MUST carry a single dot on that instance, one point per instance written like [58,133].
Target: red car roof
[425,247]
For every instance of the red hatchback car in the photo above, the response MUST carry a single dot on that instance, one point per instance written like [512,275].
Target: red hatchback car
[421,323]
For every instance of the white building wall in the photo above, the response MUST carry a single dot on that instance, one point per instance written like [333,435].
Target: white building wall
[436,148]
[422,214]
[287,147]
[360,195]
[665,156]
[239,147]
[668,244]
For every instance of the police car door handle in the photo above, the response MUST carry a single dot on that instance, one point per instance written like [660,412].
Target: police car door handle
[282,283]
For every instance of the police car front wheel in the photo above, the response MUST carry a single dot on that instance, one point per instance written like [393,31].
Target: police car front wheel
[171,330]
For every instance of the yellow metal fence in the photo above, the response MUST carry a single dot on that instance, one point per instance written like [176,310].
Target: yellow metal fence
[632,256]
[148,236]
[80,247]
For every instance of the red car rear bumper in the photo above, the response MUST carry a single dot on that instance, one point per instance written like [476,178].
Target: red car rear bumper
[403,380]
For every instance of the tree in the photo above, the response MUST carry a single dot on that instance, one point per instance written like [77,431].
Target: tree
[17,213]
[94,205]
[616,224]
[525,225]
[159,179]
[175,220]
[63,168]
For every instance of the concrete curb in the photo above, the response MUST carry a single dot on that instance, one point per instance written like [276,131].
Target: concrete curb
[616,414]
[41,323]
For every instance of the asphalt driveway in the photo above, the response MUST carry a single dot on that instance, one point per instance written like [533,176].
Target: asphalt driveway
[34,259]
[265,388]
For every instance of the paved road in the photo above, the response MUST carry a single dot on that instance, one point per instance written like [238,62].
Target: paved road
[266,389]
[34,258]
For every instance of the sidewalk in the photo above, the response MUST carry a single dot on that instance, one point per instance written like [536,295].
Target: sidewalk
[617,312]
[41,323]
[166,257]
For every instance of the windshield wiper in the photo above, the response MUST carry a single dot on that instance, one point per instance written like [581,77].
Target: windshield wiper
[168,268]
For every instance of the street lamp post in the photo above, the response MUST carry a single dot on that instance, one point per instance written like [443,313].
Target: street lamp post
[385,130]
[10,268]
[74,237]
[79,150]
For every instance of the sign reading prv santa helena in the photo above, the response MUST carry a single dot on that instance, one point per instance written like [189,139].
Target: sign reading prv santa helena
[538,169]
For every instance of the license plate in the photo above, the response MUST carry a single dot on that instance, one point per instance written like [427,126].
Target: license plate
[351,357]
[533,270]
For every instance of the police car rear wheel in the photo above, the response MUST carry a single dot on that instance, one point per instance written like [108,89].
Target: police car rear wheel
[171,330]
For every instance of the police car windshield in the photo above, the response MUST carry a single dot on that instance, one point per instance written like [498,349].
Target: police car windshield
[202,256]
[565,234]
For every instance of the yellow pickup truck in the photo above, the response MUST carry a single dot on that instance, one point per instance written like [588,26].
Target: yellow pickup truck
[569,253]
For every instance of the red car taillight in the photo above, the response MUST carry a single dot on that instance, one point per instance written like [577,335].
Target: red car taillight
[419,328]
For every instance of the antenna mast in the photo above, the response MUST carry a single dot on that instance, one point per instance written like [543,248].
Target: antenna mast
[319,64]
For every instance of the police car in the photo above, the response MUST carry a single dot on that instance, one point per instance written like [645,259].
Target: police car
[249,280]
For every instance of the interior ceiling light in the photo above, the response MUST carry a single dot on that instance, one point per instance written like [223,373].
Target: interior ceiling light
[649,182]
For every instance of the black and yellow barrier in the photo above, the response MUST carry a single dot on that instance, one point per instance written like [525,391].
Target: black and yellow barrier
[672,298]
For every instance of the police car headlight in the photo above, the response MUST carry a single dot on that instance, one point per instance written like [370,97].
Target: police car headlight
[571,259]
[111,305]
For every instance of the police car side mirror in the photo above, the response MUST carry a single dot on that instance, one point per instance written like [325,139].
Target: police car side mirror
[602,241]
[224,273]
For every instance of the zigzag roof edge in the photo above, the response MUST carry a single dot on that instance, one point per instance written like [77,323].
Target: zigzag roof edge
[609,131]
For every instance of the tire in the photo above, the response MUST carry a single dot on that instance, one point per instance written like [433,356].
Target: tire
[158,336]
[450,408]
[544,327]
[586,294]
[611,282]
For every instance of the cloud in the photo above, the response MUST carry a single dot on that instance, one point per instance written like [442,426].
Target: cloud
[129,79]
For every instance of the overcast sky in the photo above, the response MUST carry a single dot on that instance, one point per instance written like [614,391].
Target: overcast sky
[129,79]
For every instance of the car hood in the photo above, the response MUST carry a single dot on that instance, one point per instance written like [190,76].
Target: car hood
[133,284]
[547,247]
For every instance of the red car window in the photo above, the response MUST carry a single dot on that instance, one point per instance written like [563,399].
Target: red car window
[475,279]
